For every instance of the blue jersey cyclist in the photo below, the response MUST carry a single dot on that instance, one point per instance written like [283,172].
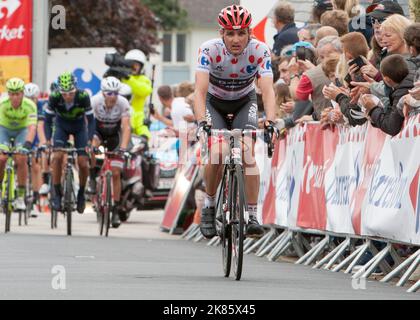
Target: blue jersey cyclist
[73,116]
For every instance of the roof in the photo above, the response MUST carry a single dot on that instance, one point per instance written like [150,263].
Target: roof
[203,13]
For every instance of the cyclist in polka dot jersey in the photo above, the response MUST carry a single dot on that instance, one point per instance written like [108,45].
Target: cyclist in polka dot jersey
[225,85]
[232,77]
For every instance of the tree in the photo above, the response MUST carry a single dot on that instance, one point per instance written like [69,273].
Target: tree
[170,14]
[124,25]
[415,10]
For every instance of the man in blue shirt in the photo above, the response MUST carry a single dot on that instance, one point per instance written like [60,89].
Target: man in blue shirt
[284,22]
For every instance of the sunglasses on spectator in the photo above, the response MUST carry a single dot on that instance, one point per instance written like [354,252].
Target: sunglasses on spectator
[377,21]
[111,93]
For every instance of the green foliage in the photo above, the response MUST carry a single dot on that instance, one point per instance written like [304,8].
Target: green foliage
[124,25]
[170,14]
[415,9]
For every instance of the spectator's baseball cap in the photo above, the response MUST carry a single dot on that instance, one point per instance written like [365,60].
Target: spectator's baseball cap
[384,9]
[323,4]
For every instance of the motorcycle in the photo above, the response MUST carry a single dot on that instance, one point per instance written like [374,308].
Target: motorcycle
[139,178]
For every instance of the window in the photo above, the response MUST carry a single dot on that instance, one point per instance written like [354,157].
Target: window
[175,48]
[181,40]
[167,47]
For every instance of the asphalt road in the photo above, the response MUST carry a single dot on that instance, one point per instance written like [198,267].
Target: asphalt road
[138,261]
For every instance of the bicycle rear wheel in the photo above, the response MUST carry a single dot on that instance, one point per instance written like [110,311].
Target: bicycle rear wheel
[108,202]
[237,221]
[225,232]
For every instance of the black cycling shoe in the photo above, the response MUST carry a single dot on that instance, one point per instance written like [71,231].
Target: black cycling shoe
[81,202]
[254,229]
[115,220]
[56,202]
[208,222]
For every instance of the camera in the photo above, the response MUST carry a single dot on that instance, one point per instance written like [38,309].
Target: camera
[116,60]
[118,66]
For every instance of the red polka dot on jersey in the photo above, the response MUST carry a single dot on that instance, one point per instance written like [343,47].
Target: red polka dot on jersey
[260,60]
[233,75]
[234,61]
[251,59]
[218,59]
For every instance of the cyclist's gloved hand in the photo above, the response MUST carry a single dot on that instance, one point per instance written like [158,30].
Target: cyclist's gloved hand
[121,151]
[27,146]
[203,126]
[270,127]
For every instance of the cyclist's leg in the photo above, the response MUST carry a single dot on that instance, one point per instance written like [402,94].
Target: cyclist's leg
[218,149]
[213,171]
[96,142]
[57,164]
[113,143]
[80,142]
[21,162]
[4,142]
[117,164]
[36,174]
[247,118]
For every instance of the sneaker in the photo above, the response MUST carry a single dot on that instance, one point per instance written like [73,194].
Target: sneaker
[19,204]
[45,189]
[115,220]
[208,223]
[254,229]
[56,202]
[92,187]
[81,202]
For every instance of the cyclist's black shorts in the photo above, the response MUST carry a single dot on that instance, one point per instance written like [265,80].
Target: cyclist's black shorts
[245,111]
[111,142]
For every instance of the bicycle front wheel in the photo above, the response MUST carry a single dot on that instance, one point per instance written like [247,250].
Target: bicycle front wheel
[108,203]
[237,221]
[7,202]
[225,232]
[68,201]
[99,207]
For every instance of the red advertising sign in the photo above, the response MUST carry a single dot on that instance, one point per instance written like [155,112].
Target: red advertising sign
[320,147]
[16,28]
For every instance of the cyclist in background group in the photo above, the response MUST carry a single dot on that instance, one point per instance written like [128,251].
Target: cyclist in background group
[18,120]
[73,116]
[112,130]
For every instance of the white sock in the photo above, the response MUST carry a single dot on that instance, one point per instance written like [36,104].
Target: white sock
[252,210]
[209,201]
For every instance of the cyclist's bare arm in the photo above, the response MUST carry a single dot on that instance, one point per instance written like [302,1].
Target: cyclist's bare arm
[31,133]
[268,96]
[126,132]
[41,133]
[202,80]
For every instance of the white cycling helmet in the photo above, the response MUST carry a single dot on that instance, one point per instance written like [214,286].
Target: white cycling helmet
[136,55]
[126,91]
[31,90]
[110,84]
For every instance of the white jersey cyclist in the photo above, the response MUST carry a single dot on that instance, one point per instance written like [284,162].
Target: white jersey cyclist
[108,120]
[232,78]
